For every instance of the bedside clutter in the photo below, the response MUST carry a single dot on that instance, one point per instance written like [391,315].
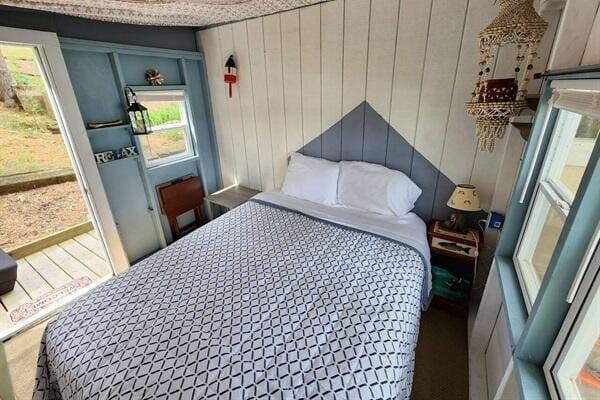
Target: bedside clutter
[453,263]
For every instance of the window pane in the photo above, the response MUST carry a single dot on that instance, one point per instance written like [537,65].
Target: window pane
[576,370]
[538,243]
[588,379]
[163,112]
[577,137]
[169,143]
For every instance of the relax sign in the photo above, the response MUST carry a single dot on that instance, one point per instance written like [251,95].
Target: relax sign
[111,155]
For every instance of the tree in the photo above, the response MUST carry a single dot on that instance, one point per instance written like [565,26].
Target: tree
[8,94]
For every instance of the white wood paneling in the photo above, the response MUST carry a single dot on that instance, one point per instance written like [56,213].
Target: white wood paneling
[310,61]
[507,171]
[274,67]
[413,61]
[498,354]
[256,47]
[356,43]
[209,40]
[246,96]
[332,53]
[573,33]
[382,49]
[545,47]
[460,142]
[591,54]
[443,47]
[233,109]
[479,338]
[290,45]
[411,44]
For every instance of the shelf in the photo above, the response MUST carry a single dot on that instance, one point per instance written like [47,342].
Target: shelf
[141,88]
[106,128]
[118,159]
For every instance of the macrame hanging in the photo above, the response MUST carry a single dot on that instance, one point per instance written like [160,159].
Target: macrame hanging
[494,101]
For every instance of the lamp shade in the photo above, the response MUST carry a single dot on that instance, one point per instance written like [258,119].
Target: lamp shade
[464,198]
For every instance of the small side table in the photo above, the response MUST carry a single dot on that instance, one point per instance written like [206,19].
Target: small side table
[231,197]
[453,263]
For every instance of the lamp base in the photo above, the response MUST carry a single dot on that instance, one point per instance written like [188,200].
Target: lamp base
[456,223]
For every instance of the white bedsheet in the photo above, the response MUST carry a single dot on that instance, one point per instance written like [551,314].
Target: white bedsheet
[408,229]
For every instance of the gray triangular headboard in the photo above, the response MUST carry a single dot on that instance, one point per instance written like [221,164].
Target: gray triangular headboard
[364,135]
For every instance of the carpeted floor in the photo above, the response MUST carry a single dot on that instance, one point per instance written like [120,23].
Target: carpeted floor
[441,370]
[441,364]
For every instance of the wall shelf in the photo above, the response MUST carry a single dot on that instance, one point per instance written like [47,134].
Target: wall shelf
[116,161]
[139,88]
[106,128]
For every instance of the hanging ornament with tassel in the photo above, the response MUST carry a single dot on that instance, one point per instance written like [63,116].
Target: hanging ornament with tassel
[495,101]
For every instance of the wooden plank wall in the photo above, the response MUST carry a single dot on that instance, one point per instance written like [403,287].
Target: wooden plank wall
[299,72]
[578,35]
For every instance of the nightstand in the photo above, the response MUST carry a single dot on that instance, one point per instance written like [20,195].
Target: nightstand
[453,264]
[231,196]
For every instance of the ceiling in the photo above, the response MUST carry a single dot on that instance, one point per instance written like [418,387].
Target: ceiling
[195,13]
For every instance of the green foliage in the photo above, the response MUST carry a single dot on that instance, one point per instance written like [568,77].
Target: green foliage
[18,53]
[165,114]
[21,80]
[26,76]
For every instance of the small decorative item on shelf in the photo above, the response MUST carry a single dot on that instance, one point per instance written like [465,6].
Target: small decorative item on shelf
[98,125]
[495,101]
[112,155]
[138,114]
[104,156]
[154,77]
[464,198]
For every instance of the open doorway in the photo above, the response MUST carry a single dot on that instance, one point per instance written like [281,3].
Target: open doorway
[45,224]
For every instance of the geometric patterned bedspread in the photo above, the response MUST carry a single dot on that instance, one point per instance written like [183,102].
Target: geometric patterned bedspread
[262,302]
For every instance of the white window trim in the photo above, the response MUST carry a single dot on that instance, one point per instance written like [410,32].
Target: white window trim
[567,355]
[534,223]
[559,198]
[68,116]
[190,143]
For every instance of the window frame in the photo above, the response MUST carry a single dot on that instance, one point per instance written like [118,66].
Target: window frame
[559,198]
[533,334]
[189,137]
[560,360]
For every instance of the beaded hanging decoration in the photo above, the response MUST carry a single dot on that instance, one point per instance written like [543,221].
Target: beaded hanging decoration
[495,101]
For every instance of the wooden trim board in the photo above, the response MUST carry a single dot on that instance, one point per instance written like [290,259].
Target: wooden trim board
[47,241]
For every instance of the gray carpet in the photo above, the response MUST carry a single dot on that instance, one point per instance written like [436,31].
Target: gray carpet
[441,365]
[441,370]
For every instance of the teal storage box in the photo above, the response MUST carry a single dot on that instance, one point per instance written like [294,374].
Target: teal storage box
[449,286]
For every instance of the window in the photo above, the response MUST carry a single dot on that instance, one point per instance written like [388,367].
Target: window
[569,152]
[171,137]
[573,368]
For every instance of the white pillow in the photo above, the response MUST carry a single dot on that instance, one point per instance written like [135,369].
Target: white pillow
[313,179]
[375,188]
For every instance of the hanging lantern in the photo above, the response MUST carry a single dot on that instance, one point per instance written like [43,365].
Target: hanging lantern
[495,101]
[138,114]
[230,73]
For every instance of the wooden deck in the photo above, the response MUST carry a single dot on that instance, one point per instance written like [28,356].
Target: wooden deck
[41,272]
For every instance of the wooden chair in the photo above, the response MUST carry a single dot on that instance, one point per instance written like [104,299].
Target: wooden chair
[178,197]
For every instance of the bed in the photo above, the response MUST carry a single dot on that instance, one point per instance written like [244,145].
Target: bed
[278,298]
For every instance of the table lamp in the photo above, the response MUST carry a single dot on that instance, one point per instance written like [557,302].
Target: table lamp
[463,199]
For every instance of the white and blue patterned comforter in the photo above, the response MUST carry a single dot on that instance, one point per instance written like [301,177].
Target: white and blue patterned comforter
[263,302]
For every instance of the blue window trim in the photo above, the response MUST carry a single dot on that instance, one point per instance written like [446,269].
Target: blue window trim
[533,334]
